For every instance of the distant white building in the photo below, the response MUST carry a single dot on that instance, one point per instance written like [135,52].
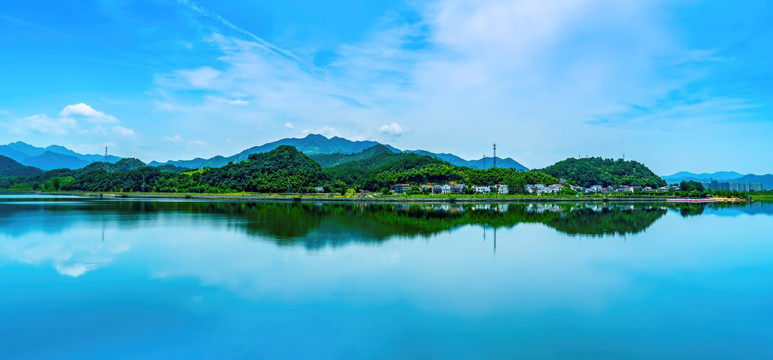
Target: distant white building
[481,189]
[458,188]
[441,189]
[401,188]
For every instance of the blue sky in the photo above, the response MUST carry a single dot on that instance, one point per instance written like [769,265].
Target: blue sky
[678,85]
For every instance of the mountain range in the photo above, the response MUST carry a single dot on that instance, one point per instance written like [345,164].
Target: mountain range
[475,164]
[310,145]
[721,176]
[314,144]
[51,157]
[10,167]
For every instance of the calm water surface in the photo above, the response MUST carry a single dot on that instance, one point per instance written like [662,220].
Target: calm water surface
[111,279]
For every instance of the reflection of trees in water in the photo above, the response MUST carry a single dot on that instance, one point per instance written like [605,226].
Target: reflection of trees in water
[607,221]
[688,209]
[317,225]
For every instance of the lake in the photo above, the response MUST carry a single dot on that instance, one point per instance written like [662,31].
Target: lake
[88,278]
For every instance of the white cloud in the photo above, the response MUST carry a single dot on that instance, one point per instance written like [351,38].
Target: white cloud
[41,123]
[88,113]
[264,45]
[165,106]
[391,129]
[239,102]
[83,126]
[74,270]
[174,139]
[198,78]
[120,130]
[98,129]
[198,142]
[289,125]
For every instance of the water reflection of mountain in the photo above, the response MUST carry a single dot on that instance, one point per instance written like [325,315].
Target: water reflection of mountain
[317,225]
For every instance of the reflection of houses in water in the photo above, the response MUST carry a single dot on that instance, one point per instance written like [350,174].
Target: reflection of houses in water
[491,207]
[592,207]
[433,207]
[541,208]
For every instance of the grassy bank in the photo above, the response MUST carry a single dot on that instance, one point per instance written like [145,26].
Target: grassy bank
[762,197]
[246,196]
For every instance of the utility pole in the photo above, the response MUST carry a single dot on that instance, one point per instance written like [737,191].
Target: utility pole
[484,161]
[495,155]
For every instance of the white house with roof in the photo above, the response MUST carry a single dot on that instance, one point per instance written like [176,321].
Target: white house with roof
[441,189]
[481,189]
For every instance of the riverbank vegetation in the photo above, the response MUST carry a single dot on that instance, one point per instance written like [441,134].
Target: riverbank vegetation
[766,195]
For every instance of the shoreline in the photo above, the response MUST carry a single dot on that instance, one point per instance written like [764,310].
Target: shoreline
[317,198]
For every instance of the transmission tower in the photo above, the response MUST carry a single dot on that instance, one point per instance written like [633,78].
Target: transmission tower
[495,155]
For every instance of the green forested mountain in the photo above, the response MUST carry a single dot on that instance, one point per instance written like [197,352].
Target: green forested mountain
[279,170]
[312,144]
[378,169]
[9,167]
[371,172]
[445,173]
[592,171]
[326,151]
[330,160]
[267,172]
[123,165]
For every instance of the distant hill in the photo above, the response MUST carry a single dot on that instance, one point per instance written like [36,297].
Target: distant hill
[310,145]
[722,176]
[330,160]
[369,168]
[314,145]
[51,157]
[51,160]
[123,165]
[587,172]
[475,164]
[10,167]
[275,171]
[704,177]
